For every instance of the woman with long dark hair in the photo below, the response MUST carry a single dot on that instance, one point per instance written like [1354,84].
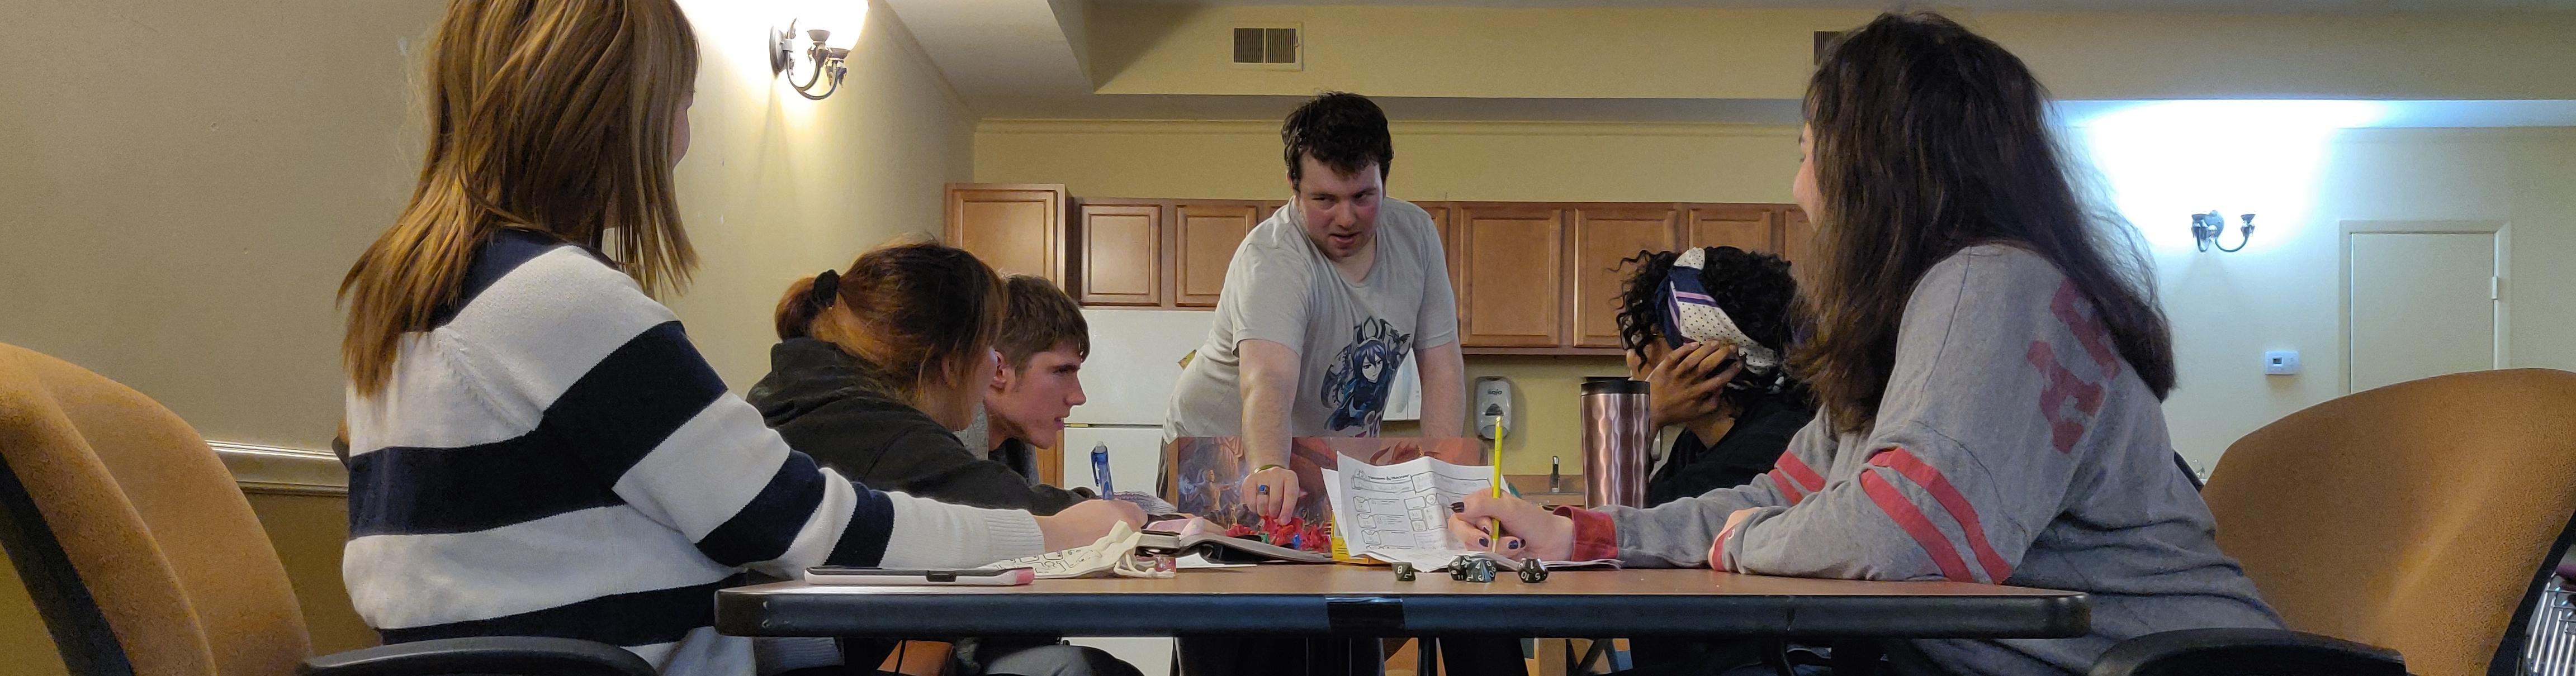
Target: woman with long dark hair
[1990,365]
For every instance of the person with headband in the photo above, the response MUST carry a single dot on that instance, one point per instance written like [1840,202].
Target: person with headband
[1707,328]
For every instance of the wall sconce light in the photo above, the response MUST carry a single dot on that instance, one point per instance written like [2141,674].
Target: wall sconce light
[2205,229]
[826,59]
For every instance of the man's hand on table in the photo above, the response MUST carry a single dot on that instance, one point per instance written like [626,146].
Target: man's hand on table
[1272,492]
[1545,534]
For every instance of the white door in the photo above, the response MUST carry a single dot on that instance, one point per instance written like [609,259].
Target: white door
[2422,305]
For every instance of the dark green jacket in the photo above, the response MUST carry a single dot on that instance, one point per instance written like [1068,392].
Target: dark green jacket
[835,407]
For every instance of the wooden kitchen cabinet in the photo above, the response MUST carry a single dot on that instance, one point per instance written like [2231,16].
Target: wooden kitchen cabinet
[1122,255]
[1751,227]
[1603,239]
[1797,237]
[1513,288]
[1451,249]
[1529,277]
[1205,235]
[1016,228]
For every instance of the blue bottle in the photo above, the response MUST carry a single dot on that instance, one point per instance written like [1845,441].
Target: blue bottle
[1100,468]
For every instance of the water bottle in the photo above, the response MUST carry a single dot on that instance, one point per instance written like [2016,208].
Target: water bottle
[1100,467]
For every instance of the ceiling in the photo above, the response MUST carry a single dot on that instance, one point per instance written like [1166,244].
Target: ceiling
[2230,6]
[1025,59]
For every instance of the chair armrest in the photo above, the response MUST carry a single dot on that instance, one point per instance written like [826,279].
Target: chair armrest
[528,655]
[2246,652]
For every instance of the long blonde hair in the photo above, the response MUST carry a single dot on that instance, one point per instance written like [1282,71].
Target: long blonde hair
[552,116]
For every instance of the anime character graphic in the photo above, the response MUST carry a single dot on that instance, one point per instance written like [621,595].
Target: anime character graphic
[1355,388]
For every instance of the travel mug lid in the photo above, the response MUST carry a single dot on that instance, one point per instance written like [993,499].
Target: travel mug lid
[1612,385]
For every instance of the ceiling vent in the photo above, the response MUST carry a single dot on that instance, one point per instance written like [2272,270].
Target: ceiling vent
[1274,46]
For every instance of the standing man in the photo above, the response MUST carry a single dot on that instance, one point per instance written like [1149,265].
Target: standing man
[1323,303]
[1043,343]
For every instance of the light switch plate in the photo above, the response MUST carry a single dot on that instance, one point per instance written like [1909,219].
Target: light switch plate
[2281,363]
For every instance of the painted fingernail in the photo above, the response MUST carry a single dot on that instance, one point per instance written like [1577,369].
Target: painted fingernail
[1457,506]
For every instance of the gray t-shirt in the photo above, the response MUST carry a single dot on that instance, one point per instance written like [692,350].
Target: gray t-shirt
[1350,338]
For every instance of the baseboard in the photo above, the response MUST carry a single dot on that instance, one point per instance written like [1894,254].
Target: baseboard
[291,471]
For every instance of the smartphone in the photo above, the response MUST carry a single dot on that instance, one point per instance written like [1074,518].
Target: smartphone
[973,577]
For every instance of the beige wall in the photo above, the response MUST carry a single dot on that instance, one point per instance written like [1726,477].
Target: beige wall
[181,224]
[2227,309]
[2285,291]
[179,221]
[1764,54]
[778,187]
[1642,162]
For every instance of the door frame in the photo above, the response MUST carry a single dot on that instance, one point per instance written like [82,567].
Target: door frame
[2345,229]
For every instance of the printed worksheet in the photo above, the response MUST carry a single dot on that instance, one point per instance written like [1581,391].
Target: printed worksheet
[1400,512]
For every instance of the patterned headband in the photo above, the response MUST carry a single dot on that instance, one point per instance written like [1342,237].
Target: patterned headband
[1690,315]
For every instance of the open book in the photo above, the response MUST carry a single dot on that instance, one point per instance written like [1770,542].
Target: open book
[1400,512]
[1219,548]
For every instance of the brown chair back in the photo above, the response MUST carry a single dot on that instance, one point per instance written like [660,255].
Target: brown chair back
[2416,516]
[140,551]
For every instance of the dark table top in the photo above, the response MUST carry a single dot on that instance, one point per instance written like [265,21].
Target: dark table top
[1368,601]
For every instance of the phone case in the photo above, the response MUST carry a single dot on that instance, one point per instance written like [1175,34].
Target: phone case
[977,577]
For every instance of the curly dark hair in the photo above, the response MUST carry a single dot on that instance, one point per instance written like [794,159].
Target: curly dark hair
[1755,289]
[1341,130]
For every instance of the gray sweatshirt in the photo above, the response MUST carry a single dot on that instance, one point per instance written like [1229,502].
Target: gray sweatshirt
[2013,446]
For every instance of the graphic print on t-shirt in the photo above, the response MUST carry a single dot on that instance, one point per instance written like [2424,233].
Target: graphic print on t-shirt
[1355,387]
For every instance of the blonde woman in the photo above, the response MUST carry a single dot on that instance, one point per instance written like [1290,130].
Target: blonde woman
[537,449]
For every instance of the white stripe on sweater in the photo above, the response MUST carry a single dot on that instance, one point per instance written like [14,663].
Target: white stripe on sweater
[403,581]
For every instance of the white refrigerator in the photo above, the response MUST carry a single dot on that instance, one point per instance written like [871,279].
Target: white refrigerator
[1126,384]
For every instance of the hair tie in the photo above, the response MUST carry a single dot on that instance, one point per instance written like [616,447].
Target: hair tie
[827,288]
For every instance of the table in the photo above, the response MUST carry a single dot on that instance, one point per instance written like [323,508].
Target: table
[1345,600]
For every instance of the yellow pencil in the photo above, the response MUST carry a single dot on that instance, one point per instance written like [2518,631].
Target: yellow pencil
[1493,535]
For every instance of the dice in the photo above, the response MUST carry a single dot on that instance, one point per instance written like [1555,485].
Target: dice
[1403,572]
[1458,568]
[1480,570]
[1533,571]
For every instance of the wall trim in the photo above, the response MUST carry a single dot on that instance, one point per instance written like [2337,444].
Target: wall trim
[275,469]
[1399,128]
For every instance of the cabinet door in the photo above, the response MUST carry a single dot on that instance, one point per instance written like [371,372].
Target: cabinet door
[1514,281]
[1445,222]
[1603,238]
[1122,255]
[1797,236]
[1208,235]
[1017,229]
[1750,227]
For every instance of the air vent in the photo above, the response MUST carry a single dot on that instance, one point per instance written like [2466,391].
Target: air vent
[1266,46]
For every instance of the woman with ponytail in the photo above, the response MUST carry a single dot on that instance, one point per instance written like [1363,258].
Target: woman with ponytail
[876,369]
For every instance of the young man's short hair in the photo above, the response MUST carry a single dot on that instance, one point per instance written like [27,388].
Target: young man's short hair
[1341,130]
[1037,317]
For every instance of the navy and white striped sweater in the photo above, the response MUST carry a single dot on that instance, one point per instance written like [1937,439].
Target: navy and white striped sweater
[553,458]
